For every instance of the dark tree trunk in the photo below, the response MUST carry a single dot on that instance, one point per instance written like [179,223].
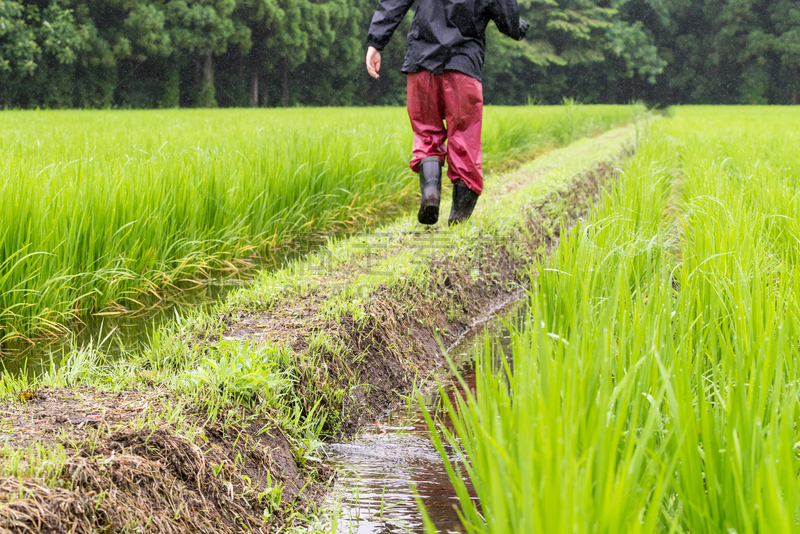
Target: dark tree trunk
[285,85]
[207,96]
[254,71]
[265,103]
[795,100]
[172,86]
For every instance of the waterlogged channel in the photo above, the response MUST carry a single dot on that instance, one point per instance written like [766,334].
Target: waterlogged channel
[379,472]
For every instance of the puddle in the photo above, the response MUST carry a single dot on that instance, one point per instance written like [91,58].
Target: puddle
[378,471]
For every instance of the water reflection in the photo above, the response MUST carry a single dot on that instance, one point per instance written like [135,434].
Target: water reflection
[376,477]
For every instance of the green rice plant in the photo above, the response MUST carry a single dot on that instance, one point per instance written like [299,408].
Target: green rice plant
[654,386]
[103,210]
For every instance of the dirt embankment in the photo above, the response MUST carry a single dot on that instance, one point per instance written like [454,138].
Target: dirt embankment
[363,325]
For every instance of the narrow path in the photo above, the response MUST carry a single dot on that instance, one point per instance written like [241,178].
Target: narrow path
[372,310]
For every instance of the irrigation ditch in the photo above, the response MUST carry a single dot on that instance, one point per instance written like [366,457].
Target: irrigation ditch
[218,426]
[386,467]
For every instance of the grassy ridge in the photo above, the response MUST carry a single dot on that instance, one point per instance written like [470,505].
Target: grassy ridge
[98,207]
[655,382]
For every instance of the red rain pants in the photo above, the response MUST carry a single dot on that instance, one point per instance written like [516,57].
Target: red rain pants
[456,99]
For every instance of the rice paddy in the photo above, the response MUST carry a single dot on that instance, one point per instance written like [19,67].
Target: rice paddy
[654,385]
[100,209]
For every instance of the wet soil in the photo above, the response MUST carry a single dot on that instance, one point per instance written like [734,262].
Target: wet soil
[124,467]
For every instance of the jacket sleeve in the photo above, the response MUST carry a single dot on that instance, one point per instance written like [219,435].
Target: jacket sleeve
[387,18]
[505,14]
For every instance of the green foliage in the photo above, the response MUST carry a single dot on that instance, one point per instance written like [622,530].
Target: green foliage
[722,52]
[287,33]
[18,47]
[202,53]
[632,44]
[59,35]
[566,37]
[235,53]
[786,16]
[655,380]
[33,40]
[203,26]
[241,372]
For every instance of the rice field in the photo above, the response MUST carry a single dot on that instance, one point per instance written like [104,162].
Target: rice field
[101,208]
[654,385]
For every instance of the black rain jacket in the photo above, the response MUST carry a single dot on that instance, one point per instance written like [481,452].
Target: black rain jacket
[446,34]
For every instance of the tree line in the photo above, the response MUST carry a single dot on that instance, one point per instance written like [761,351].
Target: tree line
[207,53]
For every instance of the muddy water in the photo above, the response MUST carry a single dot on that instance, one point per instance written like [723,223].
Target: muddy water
[380,470]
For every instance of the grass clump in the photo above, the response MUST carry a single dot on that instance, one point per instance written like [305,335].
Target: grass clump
[653,386]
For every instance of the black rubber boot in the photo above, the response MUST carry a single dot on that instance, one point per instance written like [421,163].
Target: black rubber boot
[430,185]
[464,200]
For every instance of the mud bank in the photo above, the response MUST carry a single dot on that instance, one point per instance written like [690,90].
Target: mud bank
[214,427]
[83,460]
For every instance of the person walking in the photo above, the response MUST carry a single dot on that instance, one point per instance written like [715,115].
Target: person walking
[443,63]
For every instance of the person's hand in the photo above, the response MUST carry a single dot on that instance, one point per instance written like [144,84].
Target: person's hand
[373,62]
